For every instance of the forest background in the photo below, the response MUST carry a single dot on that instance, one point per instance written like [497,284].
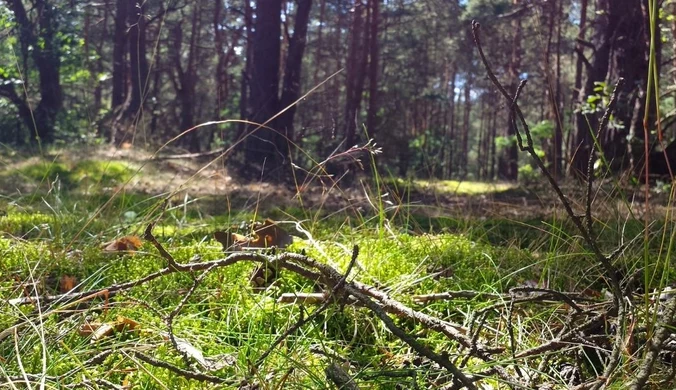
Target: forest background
[181,203]
[403,73]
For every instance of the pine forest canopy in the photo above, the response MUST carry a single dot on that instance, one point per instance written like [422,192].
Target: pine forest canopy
[405,74]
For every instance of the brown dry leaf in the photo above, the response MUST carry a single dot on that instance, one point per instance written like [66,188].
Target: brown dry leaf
[224,238]
[124,323]
[240,241]
[266,235]
[88,328]
[123,244]
[269,234]
[67,283]
[99,330]
[231,241]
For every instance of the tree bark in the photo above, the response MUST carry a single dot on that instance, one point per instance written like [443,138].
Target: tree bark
[509,166]
[246,70]
[293,67]
[265,149]
[119,54]
[46,55]
[137,57]
[354,60]
[371,115]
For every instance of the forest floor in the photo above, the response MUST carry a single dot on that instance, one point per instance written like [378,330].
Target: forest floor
[73,224]
[145,173]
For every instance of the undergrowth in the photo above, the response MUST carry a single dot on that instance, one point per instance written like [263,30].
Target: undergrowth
[59,231]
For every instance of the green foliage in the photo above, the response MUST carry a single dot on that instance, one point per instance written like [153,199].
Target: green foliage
[598,102]
[485,8]
[503,142]
[543,130]
[80,175]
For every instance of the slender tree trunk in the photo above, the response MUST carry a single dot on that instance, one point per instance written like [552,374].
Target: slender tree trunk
[466,123]
[100,67]
[480,152]
[187,77]
[596,73]
[353,91]
[246,71]
[371,116]
[557,152]
[616,22]
[265,148]
[579,72]
[221,86]
[293,67]
[137,56]
[46,54]
[119,54]
[509,166]
[450,161]
[494,134]
[318,44]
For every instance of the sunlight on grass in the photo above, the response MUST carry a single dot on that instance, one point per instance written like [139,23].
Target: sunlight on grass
[455,187]
[464,187]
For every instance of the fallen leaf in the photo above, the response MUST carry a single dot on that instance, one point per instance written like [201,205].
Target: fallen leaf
[213,363]
[269,234]
[231,241]
[101,330]
[123,244]
[266,234]
[67,283]
[263,276]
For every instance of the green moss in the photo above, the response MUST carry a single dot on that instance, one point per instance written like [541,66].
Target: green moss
[104,173]
[452,187]
[81,175]
[49,171]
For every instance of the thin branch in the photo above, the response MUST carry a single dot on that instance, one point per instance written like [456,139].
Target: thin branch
[662,332]
[590,162]
[610,270]
[302,321]
[184,373]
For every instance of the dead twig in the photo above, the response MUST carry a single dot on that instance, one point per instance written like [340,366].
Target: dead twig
[662,332]
[184,373]
[302,321]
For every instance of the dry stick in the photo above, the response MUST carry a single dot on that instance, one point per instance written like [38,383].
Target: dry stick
[163,252]
[334,277]
[302,321]
[510,332]
[563,340]
[449,295]
[112,290]
[408,339]
[475,337]
[654,346]
[590,162]
[336,374]
[184,373]
[562,296]
[362,292]
[610,270]
[169,320]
